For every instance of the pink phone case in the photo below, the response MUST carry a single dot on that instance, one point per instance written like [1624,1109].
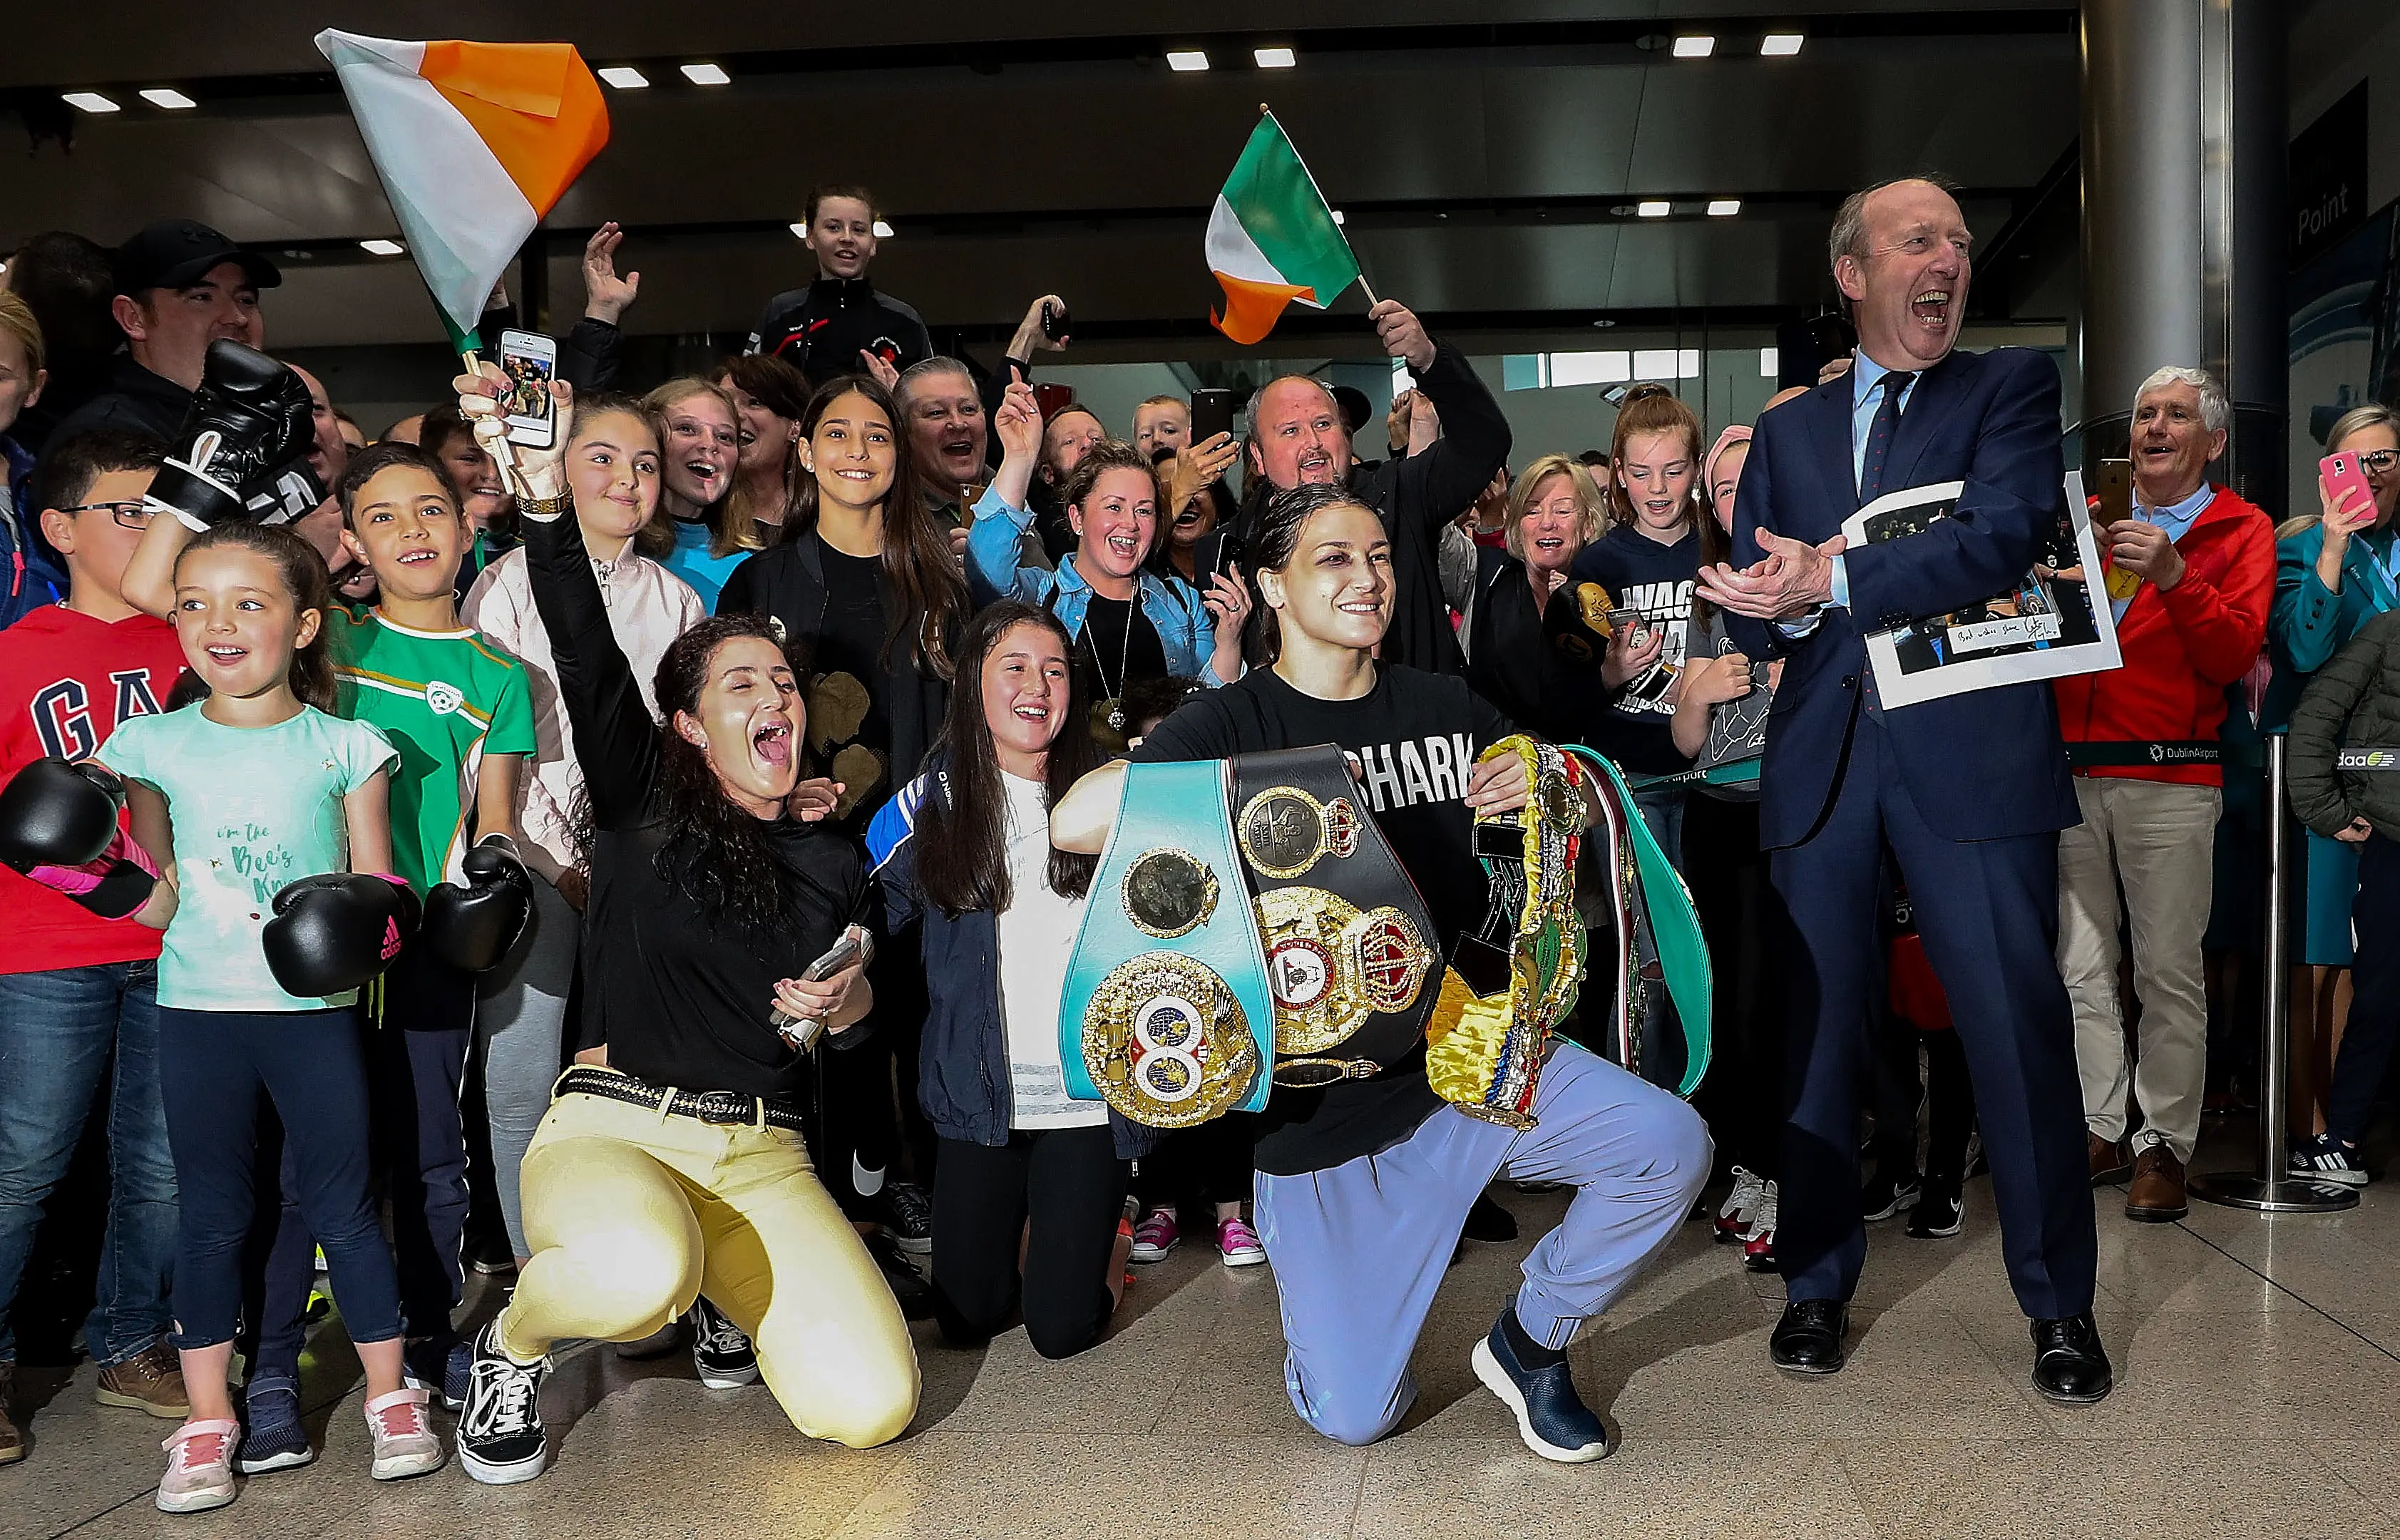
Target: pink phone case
[2342,471]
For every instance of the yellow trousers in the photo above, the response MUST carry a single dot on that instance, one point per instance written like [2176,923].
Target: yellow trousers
[631,1213]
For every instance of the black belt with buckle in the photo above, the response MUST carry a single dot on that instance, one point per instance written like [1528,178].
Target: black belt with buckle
[712,1107]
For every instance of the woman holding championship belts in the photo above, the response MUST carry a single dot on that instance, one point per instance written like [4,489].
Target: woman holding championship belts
[1363,1184]
[671,1161]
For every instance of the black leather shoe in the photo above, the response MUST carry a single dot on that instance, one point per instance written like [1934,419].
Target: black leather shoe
[2068,1363]
[1809,1339]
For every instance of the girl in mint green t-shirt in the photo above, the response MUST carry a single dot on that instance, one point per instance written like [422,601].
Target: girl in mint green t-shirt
[239,796]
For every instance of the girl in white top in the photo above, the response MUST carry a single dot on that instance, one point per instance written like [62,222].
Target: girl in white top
[1029,1192]
[613,470]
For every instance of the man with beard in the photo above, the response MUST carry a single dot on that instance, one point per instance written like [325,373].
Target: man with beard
[1298,436]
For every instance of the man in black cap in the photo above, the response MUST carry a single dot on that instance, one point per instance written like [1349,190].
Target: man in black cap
[180,286]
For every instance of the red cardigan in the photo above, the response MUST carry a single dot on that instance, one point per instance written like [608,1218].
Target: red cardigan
[2182,648]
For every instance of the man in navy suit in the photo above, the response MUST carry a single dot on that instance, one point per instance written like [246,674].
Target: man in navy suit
[1967,793]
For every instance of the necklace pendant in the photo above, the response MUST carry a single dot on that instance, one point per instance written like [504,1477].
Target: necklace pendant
[1117,716]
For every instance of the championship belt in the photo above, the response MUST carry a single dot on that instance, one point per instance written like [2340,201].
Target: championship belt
[1659,957]
[1512,980]
[1348,939]
[1165,1015]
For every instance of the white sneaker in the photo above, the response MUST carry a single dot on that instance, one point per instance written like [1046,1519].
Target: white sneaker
[1739,1210]
[405,1443]
[199,1466]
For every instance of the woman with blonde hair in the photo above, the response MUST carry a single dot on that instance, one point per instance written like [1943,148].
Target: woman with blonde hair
[2336,569]
[1554,511]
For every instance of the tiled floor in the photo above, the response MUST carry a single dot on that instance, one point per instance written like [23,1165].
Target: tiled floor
[2258,1389]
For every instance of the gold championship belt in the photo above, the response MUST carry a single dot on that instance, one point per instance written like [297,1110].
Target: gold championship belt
[1348,939]
[1513,979]
[1166,1014]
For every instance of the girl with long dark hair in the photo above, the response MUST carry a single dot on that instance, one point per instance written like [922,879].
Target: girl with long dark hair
[1363,1185]
[672,1159]
[867,591]
[966,850]
[770,398]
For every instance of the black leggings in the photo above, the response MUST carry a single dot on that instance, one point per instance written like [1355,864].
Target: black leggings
[1748,934]
[1072,1186]
[1206,1164]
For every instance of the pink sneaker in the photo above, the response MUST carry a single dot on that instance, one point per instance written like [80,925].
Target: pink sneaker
[199,1466]
[404,1442]
[1238,1244]
[1155,1235]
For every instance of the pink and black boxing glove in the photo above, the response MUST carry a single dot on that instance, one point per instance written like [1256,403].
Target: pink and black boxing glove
[336,931]
[59,827]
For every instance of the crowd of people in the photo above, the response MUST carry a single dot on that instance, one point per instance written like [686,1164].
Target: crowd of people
[643,868]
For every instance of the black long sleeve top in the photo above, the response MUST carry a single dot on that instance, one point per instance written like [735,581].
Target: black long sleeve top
[679,997]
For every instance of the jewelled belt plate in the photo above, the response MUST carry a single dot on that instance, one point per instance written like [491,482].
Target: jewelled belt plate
[1167,1015]
[1512,980]
[1349,941]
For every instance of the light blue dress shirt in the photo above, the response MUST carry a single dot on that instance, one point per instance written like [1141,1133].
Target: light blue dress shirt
[2176,520]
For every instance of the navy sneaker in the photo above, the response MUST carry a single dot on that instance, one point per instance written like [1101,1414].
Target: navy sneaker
[2325,1158]
[428,1364]
[1551,1417]
[273,1438]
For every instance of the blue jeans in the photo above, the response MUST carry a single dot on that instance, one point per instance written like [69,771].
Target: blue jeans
[58,1032]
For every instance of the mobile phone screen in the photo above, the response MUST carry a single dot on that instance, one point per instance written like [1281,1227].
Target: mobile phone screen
[529,363]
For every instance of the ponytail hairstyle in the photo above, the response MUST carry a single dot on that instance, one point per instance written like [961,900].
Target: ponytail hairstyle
[305,578]
[711,848]
[1652,408]
[1275,536]
[916,560]
[962,830]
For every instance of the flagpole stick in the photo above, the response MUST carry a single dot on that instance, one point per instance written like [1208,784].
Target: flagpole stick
[1369,289]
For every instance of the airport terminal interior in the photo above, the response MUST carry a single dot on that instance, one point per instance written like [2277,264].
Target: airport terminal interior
[1576,198]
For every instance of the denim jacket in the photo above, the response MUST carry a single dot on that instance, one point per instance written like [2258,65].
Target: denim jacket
[1187,632]
[963,1079]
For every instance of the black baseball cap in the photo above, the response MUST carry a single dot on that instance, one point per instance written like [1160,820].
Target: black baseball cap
[177,253]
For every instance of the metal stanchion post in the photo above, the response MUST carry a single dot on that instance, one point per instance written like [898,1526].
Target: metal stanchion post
[2273,1189]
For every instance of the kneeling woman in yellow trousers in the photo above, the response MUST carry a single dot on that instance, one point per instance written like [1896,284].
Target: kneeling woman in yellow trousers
[675,1164]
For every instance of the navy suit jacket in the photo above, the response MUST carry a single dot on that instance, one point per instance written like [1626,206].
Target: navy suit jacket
[1983,765]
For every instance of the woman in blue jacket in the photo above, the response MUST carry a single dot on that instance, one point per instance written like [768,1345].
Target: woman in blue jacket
[1023,1171]
[2334,571]
[1124,619]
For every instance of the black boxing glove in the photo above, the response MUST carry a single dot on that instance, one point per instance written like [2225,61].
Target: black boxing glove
[336,931]
[53,813]
[50,815]
[472,926]
[240,456]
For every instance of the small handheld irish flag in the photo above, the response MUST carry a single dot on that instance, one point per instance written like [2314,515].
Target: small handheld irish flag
[1272,239]
[474,142]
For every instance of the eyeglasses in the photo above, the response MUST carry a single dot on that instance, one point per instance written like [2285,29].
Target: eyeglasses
[2380,461]
[131,515]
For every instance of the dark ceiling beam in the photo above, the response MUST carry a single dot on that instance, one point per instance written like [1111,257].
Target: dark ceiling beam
[258,95]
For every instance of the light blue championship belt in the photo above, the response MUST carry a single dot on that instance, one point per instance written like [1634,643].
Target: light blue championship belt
[1167,1015]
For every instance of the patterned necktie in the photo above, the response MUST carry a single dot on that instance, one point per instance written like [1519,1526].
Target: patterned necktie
[1879,435]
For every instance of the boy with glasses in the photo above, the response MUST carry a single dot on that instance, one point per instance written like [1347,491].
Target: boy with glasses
[77,989]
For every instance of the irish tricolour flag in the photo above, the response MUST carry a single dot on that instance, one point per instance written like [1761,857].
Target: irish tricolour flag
[1272,239]
[475,143]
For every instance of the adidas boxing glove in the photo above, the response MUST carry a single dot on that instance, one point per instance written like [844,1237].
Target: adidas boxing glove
[49,814]
[472,926]
[336,931]
[240,456]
